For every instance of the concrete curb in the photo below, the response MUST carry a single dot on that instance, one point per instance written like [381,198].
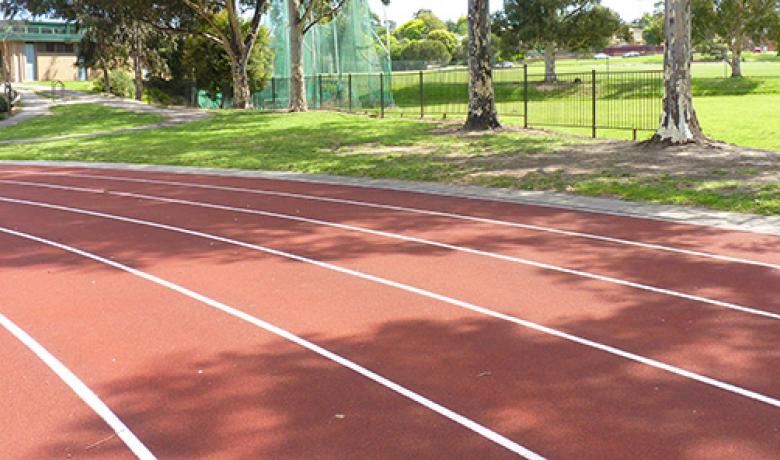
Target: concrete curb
[675,214]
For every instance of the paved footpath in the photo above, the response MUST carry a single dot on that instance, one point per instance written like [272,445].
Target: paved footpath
[36,106]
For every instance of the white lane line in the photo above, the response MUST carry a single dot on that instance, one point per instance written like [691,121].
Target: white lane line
[517,260]
[431,295]
[78,387]
[537,228]
[236,313]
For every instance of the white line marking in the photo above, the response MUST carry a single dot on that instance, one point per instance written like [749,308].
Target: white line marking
[538,228]
[236,313]
[517,260]
[432,295]
[81,390]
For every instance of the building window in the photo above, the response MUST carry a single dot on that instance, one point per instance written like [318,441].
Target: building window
[56,48]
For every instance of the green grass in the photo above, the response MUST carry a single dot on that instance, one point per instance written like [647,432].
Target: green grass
[748,121]
[347,145]
[77,119]
[326,143]
[722,195]
[85,86]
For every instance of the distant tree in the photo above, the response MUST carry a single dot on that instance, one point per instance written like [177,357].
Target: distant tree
[102,47]
[557,24]
[482,113]
[736,21]
[207,63]
[426,50]
[459,27]
[446,38]
[653,31]
[416,29]
[432,22]
[625,33]
[679,124]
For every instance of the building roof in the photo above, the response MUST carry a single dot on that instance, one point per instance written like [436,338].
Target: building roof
[40,31]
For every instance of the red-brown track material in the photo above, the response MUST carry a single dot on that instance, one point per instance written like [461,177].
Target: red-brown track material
[560,399]
[190,381]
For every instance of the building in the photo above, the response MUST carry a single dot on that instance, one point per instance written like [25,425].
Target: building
[36,50]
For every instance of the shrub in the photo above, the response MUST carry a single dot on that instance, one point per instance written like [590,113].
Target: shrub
[426,50]
[122,84]
[3,104]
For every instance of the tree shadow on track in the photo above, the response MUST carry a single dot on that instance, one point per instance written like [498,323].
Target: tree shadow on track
[284,402]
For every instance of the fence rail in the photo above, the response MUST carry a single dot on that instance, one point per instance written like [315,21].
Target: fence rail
[593,100]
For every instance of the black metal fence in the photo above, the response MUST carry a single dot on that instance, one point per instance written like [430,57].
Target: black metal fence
[592,100]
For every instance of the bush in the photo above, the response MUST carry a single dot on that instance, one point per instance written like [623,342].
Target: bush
[122,84]
[169,92]
[3,104]
[426,50]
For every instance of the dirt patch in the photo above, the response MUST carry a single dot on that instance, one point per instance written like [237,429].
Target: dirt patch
[616,158]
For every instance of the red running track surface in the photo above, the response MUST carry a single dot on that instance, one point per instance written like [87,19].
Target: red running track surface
[191,381]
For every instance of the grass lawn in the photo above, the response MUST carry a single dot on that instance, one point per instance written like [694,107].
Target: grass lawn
[341,144]
[77,119]
[751,120]
[73,85]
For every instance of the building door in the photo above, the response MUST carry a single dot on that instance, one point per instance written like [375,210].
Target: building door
[29,68]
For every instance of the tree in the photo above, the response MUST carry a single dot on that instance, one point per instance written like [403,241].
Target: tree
[431,21]
[736,21]
[446,38]
[426,51]
[209,65]
[482,101]
[556,24]
[459,27]
[101,47]
[304,14]
[412,30]
[679,124]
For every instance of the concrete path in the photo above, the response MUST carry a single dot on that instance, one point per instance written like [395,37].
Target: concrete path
[36,106]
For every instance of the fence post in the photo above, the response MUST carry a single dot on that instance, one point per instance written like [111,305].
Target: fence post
[593,97]
[273,93]
[349,91]
[525,96]
[319,95]
[382,95]
[422,95]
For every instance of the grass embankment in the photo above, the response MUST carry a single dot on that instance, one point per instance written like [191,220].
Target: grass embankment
[77,119]
[340,144]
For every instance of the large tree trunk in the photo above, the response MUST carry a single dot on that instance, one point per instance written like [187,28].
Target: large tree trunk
[139,75]
[106,77]
[298,102]
[549,63]
[242,96]
[482,101]
[736,59]
[679,124]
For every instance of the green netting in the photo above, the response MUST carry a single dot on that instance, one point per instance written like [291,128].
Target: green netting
[347,45]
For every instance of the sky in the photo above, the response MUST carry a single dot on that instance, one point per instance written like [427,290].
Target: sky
[401,11]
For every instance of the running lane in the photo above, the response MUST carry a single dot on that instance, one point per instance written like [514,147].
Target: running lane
[190,381]
[739,283]
[734,346]
[703,238]
[559,398]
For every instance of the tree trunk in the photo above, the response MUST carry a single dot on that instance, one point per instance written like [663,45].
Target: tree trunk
[139,76]
[736,59]
[679,124]
[106,77]
[549,63]
[482,102]
[242,97]
[298,102]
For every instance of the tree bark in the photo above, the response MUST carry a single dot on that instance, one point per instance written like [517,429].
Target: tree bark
[139,76]
[298,102]
[549,63]
[482,102]
[242,95]
[679,124]
[106,77]
[736,59]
